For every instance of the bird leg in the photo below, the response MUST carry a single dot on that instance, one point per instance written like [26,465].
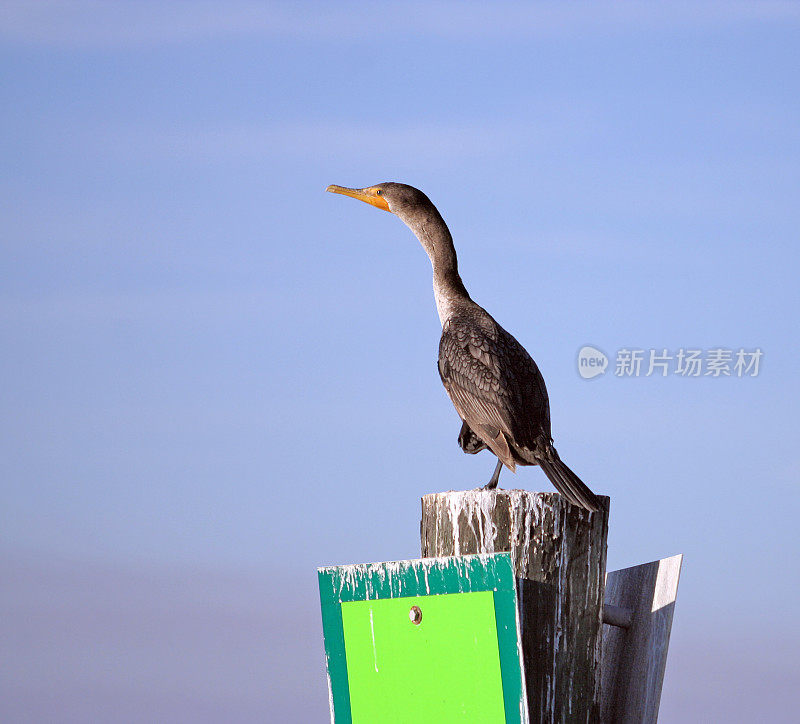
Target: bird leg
[492,484]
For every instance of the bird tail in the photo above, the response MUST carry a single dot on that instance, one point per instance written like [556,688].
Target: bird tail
[567,483]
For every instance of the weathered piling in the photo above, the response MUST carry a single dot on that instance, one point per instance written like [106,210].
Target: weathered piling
[641,603]
[559,556]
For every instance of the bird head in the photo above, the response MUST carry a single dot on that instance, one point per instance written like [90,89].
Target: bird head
[398,199]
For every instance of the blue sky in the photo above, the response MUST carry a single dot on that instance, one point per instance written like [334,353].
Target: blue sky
[216,374]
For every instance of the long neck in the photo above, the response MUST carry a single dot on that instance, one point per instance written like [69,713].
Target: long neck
[433,234]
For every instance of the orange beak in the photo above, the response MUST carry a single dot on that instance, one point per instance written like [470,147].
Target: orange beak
[369,195]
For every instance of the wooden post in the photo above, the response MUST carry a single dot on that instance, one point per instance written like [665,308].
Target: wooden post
[559,556]
[640,602]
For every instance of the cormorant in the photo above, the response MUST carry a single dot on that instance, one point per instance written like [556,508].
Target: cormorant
[494,384]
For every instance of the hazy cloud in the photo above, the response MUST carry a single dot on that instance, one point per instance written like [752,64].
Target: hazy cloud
[97,24]
[99,642]
[321,140]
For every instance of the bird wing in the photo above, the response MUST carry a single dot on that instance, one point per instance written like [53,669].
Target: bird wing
[494,385]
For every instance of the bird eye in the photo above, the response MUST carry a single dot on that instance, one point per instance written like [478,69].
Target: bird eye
[379,192]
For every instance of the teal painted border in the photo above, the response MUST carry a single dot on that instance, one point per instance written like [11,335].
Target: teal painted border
[336,658]
[505,611]
[422,577]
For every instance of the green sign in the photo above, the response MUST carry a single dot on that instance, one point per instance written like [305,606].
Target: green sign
[429,640]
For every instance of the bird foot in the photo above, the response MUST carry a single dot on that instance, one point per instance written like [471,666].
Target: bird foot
[492,484]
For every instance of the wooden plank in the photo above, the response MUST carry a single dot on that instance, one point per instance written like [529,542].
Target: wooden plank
[617,615]
[559,555]
[634,658]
